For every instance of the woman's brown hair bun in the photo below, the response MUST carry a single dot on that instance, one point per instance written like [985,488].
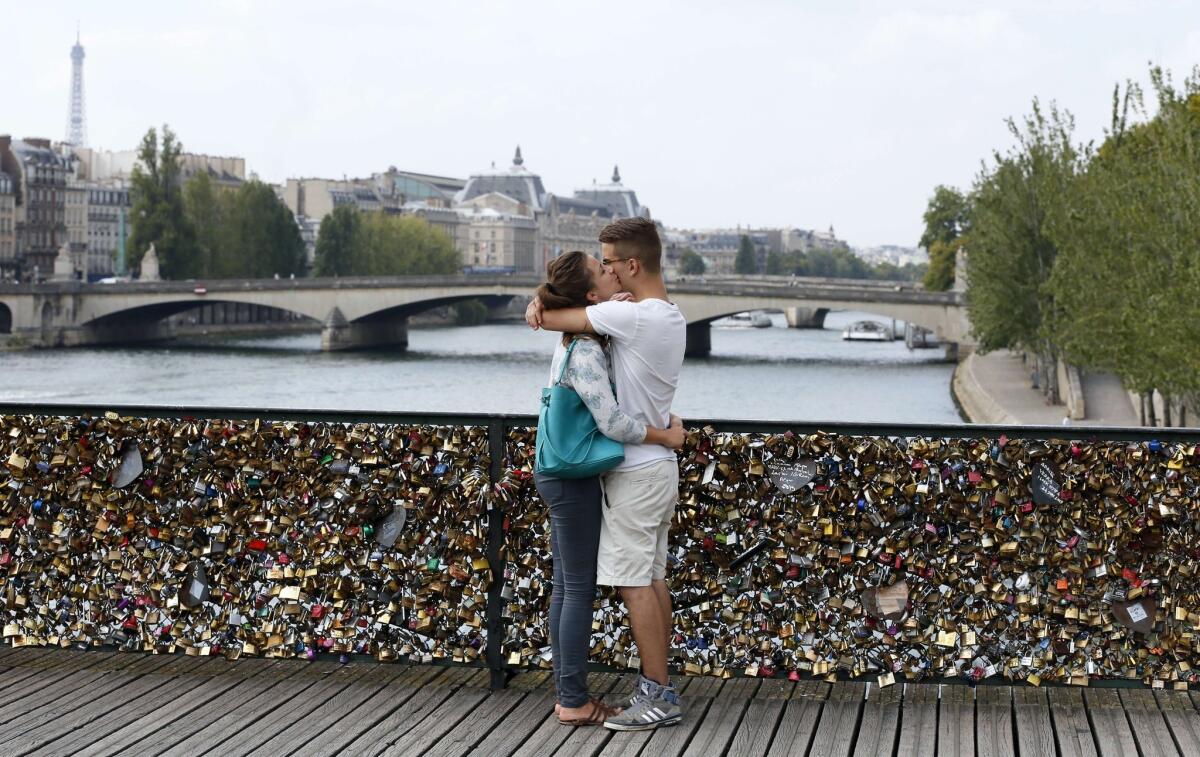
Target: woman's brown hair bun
[568,282]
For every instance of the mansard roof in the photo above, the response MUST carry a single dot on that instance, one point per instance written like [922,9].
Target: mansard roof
[517,182]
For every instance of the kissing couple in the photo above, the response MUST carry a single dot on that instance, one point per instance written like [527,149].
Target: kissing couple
[606,466]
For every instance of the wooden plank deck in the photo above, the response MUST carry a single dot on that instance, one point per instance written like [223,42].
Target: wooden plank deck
[98,703]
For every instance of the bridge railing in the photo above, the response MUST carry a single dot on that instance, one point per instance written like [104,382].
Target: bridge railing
[803,549]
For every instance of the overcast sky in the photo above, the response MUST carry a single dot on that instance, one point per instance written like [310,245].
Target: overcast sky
[719,113]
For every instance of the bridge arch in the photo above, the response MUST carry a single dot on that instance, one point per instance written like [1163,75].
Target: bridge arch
[404,310]
[141,323]
[160,310]
[817,315]
[926,310]
[6,319]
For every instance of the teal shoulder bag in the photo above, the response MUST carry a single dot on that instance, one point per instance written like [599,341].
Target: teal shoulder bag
[569,445]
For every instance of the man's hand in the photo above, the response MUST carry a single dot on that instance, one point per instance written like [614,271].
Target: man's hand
[533,314]
[676,433]
[621,297]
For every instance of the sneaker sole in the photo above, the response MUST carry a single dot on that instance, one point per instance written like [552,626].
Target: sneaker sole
[641,726]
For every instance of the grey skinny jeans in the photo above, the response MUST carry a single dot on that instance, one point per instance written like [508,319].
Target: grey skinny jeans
[574,505]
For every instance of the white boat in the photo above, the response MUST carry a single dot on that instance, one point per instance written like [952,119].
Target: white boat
[867,331]
[752,320]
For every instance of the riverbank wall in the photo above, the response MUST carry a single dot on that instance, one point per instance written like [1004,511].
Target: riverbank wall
[996,388]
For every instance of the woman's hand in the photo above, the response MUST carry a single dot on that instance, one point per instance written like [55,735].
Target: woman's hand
[621,297]
[533,314]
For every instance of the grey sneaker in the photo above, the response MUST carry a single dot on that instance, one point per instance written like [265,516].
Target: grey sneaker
[646,713]
[653,690]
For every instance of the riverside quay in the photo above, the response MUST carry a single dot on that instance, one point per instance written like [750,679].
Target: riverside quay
[232,581]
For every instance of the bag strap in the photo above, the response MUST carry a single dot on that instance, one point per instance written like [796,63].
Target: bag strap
[566,359]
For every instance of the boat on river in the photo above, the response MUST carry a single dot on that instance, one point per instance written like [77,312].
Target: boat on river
[753,320]
[867,331]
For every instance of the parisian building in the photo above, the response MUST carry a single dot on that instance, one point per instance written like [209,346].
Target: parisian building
[314,199]
[498,242]
[75,216]
[499,220]
[563,223]
[108,227]
[8,225]
[40,181]
[109,165]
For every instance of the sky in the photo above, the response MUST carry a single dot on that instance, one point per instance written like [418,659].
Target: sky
[758,113]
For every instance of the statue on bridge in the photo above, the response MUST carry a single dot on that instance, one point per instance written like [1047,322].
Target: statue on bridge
[64,269]
[150,265]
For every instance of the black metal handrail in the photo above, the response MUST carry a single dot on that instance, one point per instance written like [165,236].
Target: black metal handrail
[516,420]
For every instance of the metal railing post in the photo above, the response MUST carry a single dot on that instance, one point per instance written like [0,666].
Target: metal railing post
[497,429]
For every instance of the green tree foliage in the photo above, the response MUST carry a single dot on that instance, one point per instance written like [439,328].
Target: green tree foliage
[946,216]
[261,236]
[1011,253]
[691,264]
[241,233]
[350,243]
[203,210]
[838,263]
[747,257]
[470,313]
[404,246]
[1091,253]
[1126,279]
[158,215]
[335,243]
[946,219]
[939,276]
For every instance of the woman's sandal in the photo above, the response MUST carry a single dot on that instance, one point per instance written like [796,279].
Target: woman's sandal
[598,713]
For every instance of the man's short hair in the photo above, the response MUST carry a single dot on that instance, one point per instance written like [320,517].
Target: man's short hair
[635,238]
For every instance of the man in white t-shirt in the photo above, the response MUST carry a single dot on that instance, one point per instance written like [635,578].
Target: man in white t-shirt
[647,337]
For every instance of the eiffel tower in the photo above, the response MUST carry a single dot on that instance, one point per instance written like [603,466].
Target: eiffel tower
[77,118]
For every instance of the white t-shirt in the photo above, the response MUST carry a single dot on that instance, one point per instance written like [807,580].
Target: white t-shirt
[647,341]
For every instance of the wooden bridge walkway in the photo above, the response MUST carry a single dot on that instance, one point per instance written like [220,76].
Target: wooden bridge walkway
[64,702]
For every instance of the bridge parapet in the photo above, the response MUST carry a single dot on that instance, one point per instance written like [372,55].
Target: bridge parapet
[799,549]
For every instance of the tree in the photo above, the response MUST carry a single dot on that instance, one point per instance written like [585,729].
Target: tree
[242,233]
[470,313]
[203,210]
[691,264]
[351,243]
[262,239]
[1128,268]
[1012,254]
[746,262]
[336,243]
[388,245]
[939,276]
[946,219]
[158,215]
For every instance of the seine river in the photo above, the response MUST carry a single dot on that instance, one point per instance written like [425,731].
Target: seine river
[776,373]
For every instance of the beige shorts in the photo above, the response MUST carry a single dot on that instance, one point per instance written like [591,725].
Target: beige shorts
[637,510]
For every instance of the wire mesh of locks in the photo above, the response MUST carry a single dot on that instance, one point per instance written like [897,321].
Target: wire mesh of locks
[887,558]
[282,539]
[905,558]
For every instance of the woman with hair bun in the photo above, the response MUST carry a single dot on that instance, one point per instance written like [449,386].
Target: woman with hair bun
[577,280]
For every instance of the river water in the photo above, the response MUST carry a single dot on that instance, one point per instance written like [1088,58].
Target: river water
[774,374]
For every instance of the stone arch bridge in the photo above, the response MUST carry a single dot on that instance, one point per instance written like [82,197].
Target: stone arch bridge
[360,313]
